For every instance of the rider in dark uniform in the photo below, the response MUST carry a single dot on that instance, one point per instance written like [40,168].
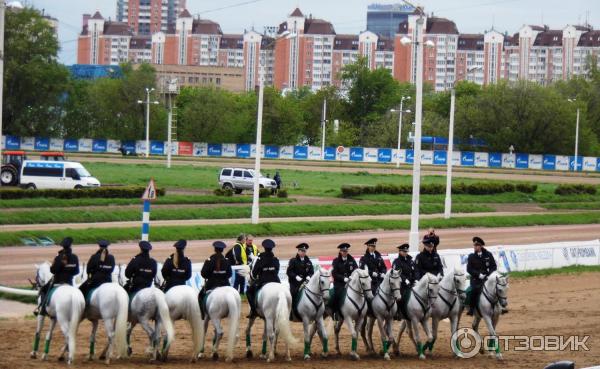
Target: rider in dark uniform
[141,270]
[264,270]
[434,238]
[480,265]
[428,260]
[99,269]
[216,272]
[405,264]
[373,263]
[64,267]
[177,269]
[342,268]
[299,271]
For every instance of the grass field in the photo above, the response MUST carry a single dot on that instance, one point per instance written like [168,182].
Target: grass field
[163,233]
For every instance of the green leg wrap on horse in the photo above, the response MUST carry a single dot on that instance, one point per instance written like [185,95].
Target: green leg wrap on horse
[492,344]
[47,346]
[247,340]
[214,339]
[92,343]
[306,348]
[36,342]
[430,344]
[457,345]
[420,348]
[325,345]
[386,346]
[164,344]
[354,344]
[264,348]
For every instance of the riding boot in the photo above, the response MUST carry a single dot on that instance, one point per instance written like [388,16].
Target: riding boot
[471,310]
[250,294]
[201,303]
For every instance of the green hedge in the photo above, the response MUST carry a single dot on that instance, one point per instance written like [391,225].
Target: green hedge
[227,192]
[282,194]
[100,192]
[575,189]
[479,188]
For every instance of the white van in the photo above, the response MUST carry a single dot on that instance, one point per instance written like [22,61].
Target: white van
[239,179]
[53,174]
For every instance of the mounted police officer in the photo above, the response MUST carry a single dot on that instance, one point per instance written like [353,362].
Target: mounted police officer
[342,268]
[480,265]
[434,238]
[265,270]
[405,264]
[177,269]
[99,269]
[64,267]
[141,270]
[299,271]
[373,263]
[216,272]
[428,260]
[242,253]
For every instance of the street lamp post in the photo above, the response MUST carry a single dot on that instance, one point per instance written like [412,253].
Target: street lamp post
[147,103]
[416,191]
[450,153]
[2,9]
[323,123]
[401,111]
[575,164]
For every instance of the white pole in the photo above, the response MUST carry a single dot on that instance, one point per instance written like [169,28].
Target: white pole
[2,8]
[448,202]
[414,216]
[169,130]
[399,132]
[255,195]
[147,122]
[323,129]
[575,167]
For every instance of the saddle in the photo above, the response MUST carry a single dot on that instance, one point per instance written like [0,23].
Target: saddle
[202,297]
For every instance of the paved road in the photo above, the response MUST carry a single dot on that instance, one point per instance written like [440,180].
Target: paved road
[17,263]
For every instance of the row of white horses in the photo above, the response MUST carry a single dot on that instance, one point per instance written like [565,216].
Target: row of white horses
[431,297]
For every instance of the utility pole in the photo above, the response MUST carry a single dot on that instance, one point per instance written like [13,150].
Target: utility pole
[323,123]
[2,10]
[448,202]
[576,166]
[147,103]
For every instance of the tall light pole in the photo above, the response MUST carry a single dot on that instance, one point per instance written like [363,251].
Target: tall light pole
[401,111]
[416,191]
[575,165]
[2,9]
[147,103]
[450,153]
[323,122]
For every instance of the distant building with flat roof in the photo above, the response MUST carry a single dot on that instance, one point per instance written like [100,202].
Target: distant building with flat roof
[384,19]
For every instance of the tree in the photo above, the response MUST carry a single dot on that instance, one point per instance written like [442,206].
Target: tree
[34,82]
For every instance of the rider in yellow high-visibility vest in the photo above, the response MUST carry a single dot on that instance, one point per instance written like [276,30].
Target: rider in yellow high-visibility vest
[241,254]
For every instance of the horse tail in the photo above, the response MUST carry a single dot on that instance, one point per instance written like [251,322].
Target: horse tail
[195,319]
[77,310]
[282,318]
[234,305]
[121,322]
[165,317]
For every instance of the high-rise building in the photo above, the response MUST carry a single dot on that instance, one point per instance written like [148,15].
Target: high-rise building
[146,17]
[102,41]
[384,19]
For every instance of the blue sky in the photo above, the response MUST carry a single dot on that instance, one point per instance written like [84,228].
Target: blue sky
[347,16]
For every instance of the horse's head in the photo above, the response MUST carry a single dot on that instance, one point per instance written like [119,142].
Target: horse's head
[501,288]
[460,283]
[433,286]
[360,279]
[324,277]
[395,283]
[42,274]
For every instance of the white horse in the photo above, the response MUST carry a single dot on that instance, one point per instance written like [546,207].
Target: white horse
[311,308]
[450,303]
[273,304]
[66,306]
[354,308]
[110,303]
[384,307]
[222,302]
[493,298]
[418,309]
[150,304]
[183,304]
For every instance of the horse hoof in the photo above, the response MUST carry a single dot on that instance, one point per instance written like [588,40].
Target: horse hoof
[421,357]
[215,356]
[102,357]
[229,360]
[129,351]
[307,357]
[61,358]
[45,357]
[499,357]
[33,355]
[263,356]
[69,362]
[249,354]
[288,359]
[387,357]
[324,355]
[354,356]
[107,361]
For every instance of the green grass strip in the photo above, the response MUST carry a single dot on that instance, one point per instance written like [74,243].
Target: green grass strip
[19,298]
[224,212]
[573,269]
[574,206]
[227,231]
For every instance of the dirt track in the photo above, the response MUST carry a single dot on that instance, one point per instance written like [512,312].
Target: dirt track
[558,305]
[16,263]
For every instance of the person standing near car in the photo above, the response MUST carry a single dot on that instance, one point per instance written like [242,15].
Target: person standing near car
[277,180]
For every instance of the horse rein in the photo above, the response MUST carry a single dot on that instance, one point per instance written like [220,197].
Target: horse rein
[388,306]
[425,307]
[317,306]
[360,293]
[497,295]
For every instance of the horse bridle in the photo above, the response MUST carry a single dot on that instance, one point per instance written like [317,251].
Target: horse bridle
[420,300]
[391,294]
[360,293]
[497,295]
[317,306]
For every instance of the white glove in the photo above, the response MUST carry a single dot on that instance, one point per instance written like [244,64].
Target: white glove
[382,275]
[481,276]
[374,274]
[406,282]
[298,278]
[346,279]
[308,278]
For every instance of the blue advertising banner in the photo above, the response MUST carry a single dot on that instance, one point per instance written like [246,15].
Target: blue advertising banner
[330,153]
[41,143]
[13,143]
[410,156]
[128,146]
[522,161]
[71,144]
[99,145]
[384,155]
[440,157]
[572,163]
[598,164]
[215,149]
[300,152]
[549,162]
[271,152]
[157,147]
[242,150]
[357,153]
[495,160]
[467,159]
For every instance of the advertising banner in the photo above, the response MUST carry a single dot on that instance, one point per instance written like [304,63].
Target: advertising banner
[186,148]
[71,144]
[157,148]
[140,147]
[330,153]
[508,160]
[174,147]
[456,158]
[85,145]
[562,162]
[384,155]
[12,142]
[130,146]
[41,144]
[356,154]
[99,145]
[214,150]
[410,156]
[300,152]
[427,157]
[253,151]
[401,154]
[314,153]
[271,152]
[482,159]
[589,164]
[535,161]
[200,149]
[227,150]
[57,144]
[286,152]
[495,160]
[549,162]
[27,143]
[571,162]
[522,161]
[243,151]
[370,155]
[467,159]
[440,157]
